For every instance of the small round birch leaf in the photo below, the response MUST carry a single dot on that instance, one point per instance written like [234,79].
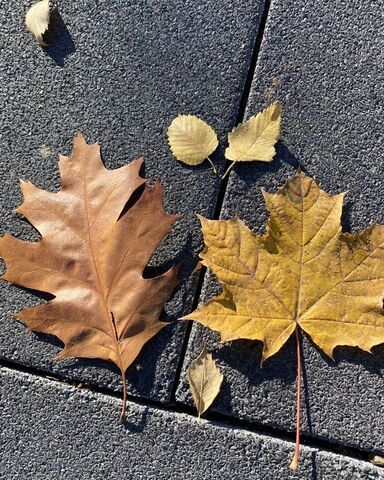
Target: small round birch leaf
[205,381]
[255,139]
[191,140]
[37,20]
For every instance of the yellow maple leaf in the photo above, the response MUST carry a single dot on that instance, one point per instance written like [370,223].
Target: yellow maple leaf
[304,273]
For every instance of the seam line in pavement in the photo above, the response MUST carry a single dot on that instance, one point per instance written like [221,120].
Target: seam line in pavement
[218,419]
[223,186]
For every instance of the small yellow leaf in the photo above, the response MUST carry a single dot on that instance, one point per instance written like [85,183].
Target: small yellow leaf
[255,139]
[37,20]
[191,140]
[204,380]
[304,272]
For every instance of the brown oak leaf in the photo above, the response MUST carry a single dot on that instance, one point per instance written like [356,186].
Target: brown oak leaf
[91,258]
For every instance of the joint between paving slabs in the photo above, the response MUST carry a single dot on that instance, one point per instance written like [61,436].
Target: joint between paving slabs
[222,420]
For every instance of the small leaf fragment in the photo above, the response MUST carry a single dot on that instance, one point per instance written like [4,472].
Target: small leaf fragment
[37,20]
[255,139]
[377,460]
[191,140]
[205,380]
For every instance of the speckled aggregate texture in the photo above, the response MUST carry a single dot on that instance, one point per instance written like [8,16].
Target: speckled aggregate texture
[55,432]
[324,61]
[118,71]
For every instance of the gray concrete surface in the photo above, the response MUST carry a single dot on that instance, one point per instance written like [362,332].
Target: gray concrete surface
[119,71]
[323,60]
[55,432]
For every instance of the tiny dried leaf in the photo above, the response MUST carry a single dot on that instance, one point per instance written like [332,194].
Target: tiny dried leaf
[377,460]
[205,381]
[255,139]
[304,272]
[191,140]
[37,20]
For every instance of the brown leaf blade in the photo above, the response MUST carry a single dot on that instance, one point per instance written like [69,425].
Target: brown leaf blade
[92,259]
[303,272]
[205,380]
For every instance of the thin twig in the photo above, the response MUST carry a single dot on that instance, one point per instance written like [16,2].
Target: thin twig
[228,170]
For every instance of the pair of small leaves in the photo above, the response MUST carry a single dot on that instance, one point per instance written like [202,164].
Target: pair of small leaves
[37,20]
[192,140]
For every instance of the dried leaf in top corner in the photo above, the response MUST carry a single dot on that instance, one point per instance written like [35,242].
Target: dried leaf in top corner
[191,140]
[205,381]
[255,139]
[37,20]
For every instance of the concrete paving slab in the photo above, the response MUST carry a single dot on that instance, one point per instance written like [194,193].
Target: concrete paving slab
[323,60]
[54,432]
[120,72]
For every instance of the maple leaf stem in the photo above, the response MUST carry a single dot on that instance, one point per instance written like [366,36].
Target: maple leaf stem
[295,459]
[124,406]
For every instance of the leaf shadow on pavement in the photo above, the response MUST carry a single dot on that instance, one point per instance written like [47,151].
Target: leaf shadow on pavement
[373,362]
[284,161]
[138,423]
[60,42]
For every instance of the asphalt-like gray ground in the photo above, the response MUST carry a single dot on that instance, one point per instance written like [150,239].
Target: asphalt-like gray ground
[153,444]
[120,71]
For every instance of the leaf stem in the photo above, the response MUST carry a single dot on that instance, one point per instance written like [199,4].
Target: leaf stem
[228,170]
[124,406]
[295,459]
[213,166]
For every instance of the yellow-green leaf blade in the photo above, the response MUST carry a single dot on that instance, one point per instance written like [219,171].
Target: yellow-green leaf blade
[350,310]
[191,140]
[303,272]
[255,139]
[205,381]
